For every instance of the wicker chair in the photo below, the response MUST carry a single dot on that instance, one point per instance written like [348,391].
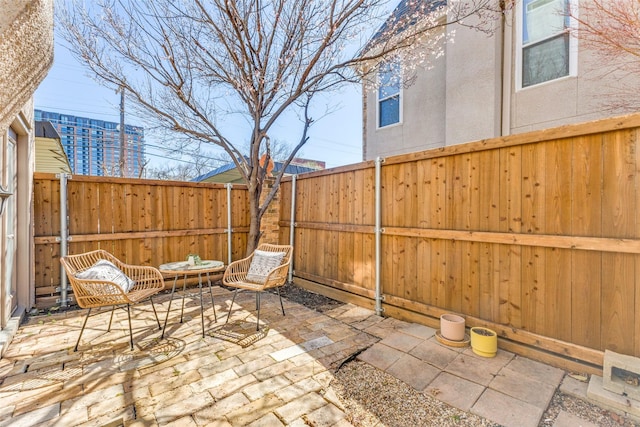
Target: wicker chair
[91,293]
[238,275]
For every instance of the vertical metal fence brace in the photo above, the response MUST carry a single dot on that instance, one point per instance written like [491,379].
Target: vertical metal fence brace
[229,229]
[292,225]
[378,231]
[64,236]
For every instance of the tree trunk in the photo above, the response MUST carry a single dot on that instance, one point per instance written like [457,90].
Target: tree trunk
[256,218]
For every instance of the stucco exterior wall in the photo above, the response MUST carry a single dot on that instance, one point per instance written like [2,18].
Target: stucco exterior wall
[422,123]
[472,94]
[472,84]
[26,49]
[454,101]
[10,10]
[586,96]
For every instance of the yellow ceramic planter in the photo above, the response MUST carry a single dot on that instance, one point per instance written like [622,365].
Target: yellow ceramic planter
[484,341]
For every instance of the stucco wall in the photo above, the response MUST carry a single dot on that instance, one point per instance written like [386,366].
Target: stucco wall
[586,96]
[422,123]
[474,88]
[26,49]
[10,10]
[472,95]
[454,101]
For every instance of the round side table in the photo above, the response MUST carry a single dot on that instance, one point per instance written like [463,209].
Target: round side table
[184,269]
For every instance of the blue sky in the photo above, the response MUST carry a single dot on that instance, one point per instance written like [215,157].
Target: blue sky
[335,138]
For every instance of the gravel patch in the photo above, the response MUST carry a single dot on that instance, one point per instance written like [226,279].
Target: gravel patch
[582,409]
[375,398]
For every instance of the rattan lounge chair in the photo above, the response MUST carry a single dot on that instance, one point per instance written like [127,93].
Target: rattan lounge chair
[264,269]
[91,292]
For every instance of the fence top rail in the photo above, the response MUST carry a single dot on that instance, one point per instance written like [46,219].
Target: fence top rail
[629,121]
[137,181]
[340,169]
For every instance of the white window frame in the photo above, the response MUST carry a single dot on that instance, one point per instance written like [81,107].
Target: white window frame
[400,96]
[573,47]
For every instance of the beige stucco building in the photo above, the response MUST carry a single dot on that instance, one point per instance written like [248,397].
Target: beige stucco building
[530,74]
[26,54]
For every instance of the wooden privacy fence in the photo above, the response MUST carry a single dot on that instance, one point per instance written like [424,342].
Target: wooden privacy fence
[535,235]
[140,221]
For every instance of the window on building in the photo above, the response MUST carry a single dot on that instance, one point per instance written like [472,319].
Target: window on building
[546,43]
[389,91]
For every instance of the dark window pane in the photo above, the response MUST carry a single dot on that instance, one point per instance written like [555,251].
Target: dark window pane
[389,111]
[546,60]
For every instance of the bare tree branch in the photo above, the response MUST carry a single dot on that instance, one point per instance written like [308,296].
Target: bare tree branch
[190,65]
[611,30]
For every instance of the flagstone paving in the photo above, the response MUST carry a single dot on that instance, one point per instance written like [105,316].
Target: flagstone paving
[280,377]
[237,376]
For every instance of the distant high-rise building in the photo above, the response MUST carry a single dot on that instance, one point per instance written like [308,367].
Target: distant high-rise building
[93,146]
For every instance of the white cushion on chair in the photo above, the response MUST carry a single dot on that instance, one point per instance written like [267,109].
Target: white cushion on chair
[262,263]
[106,270]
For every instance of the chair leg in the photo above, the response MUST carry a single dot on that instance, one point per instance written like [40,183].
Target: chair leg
[155,312]
[184,290]
[82,330]
[280,296]
[231,307]
[201,303]
[130,330]
[113,308]
[173,291]
[258,307]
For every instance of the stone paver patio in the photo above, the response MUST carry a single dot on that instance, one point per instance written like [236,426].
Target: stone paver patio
[235,376]
[281,379]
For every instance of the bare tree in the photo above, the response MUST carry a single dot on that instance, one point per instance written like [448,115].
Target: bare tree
[185,159]
[192,65]
[611,29]
[173,172]
[185,168]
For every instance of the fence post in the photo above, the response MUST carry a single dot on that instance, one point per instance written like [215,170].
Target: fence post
[292,225]
[378,231]
[64,236]
[229,229]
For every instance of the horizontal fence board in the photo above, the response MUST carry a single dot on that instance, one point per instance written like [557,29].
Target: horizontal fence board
[138,235]
[556,346]
[621,245]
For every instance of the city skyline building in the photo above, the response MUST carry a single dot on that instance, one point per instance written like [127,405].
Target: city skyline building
[93,145]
